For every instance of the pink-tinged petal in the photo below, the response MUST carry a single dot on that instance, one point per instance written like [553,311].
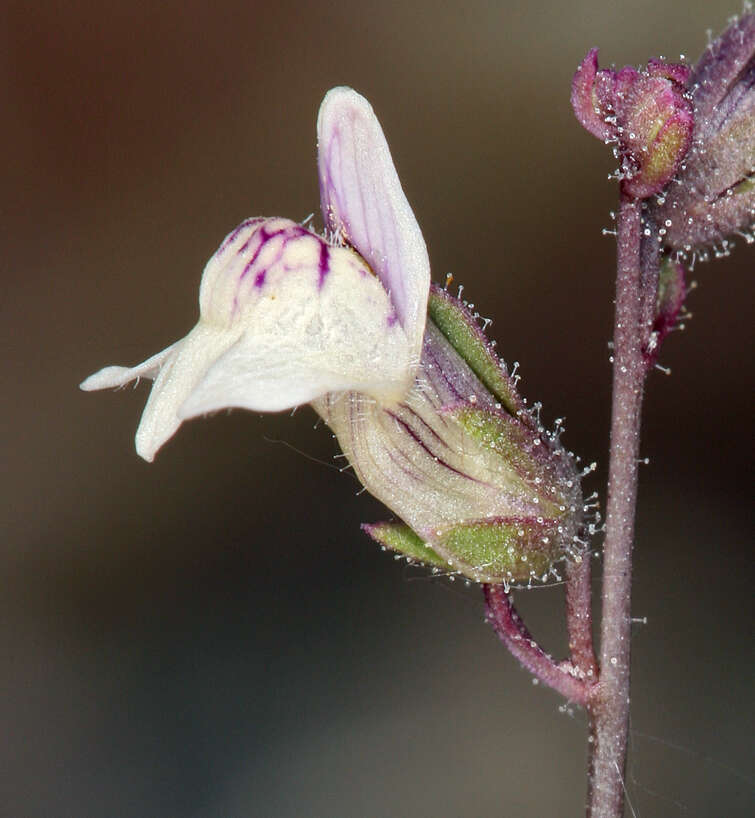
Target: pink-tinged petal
[363,201]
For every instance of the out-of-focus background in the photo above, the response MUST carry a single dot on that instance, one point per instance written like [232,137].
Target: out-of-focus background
[212,635]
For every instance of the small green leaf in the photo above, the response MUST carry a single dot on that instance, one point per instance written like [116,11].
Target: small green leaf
[399,537]
[506,549]
[458,326]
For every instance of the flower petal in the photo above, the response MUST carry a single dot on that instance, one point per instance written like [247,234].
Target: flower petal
[111,377]
[314,319]
[176,371]
[284,318]
[362,199]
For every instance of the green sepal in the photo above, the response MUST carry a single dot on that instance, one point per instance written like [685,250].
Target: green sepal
[400,538]
[520,448]
[503,549]
[457,324]
[747,185]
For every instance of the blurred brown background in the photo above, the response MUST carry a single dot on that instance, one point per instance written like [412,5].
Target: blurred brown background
[212,635]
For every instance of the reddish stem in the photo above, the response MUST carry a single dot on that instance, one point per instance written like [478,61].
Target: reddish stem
[579,616]
[512,632]
[609,703]
[603,688]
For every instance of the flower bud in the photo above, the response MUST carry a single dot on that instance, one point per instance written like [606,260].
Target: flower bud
[645,113]
[714,193]
[481,488]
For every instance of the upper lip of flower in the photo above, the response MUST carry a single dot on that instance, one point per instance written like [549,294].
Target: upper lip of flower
[287,316]
[362,200]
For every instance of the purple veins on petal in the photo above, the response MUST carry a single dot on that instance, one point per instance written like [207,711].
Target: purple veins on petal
[231,237]
[259,237]
[362,200]
[423,423]
[324,267]
[417,438]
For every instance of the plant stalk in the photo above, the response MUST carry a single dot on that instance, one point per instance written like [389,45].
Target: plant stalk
[507,623]
[579,616]
[608,707]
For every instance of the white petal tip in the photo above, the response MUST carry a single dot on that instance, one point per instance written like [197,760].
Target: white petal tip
[343,95]
[149,441]
[157,426]
[112,377]
[146,455]
[108,378]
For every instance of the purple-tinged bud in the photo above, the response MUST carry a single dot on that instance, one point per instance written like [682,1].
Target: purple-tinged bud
[588,94]
[676,72]
[713,195]
[672,290]
[645,113]
[657,133]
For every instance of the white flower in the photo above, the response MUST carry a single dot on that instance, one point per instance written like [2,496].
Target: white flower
[286,316]
[423,408]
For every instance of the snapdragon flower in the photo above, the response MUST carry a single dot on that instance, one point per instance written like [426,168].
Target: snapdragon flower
[422,407]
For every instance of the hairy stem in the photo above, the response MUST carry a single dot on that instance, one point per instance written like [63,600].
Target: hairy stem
[609,702]
[512,632]
[579,616]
